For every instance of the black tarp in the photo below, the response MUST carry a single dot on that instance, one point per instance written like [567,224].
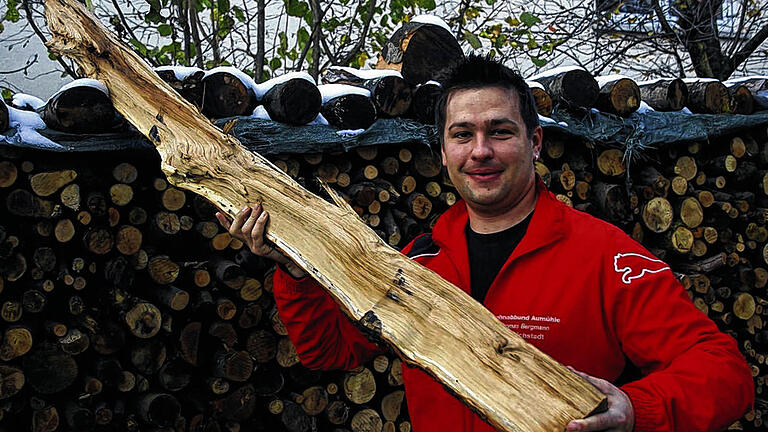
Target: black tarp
[635,133]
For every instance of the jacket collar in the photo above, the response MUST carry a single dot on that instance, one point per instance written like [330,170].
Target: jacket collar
[546,227]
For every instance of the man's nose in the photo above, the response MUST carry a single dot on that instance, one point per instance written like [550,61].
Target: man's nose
[481,149]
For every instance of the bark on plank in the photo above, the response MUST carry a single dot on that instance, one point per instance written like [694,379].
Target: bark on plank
[500,376]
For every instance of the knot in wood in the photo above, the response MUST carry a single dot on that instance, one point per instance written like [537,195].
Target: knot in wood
[504,348]
[372,323]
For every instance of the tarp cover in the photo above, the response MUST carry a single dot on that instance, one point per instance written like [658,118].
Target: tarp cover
[639,131]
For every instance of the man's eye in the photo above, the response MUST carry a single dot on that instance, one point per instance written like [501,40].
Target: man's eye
[462,134]
[501,132]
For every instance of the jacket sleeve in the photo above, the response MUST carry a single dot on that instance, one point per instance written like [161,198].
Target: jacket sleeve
[323,336]
[695,378]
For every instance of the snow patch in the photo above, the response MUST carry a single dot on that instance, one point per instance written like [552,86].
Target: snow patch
[695,80]
[367,74]
[83,82]
[330,91]
[534,84]
[685,110]
[262,88]
[346,133]
[24,119]
[261,113]
[24,124]
[747,78]
[644,108]
[555,71]
[431,19]
[22,100]
[242,76]
[544,119]
[181,72]
[319,120]
[603,80]
[432,82]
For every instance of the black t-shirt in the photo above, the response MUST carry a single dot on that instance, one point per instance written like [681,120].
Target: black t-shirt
[488,253]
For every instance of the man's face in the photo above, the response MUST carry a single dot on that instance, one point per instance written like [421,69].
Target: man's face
[486,148]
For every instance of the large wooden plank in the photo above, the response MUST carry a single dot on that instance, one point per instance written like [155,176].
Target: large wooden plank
[431,323]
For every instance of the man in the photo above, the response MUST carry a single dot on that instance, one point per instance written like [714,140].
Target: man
[574,286]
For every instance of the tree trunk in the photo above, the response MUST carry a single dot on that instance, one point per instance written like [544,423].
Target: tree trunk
[389,297]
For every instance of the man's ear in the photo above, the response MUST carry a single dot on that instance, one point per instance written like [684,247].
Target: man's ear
[442,152]
[536,140]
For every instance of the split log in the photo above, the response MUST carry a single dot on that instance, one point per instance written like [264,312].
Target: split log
[664,94]
[294,101]
[574,87]
[227,93]
[618,95]
[542,98]
[80,107]
[707,96]
[320,236]
[421,52]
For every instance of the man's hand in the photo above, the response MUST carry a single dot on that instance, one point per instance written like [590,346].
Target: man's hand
[248,227]
[620,416]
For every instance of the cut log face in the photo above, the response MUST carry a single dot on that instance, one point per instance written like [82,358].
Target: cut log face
[296,101]
[480,360]
[620,96]
[350,111]
[225,95]
[421,52]
[707,96]
[741,100]
[543,102]
[665,94]
[79,110]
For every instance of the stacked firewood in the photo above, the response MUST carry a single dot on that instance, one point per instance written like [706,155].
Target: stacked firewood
[125,306]
[703,208]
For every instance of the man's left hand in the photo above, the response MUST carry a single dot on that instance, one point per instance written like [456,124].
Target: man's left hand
[620,416]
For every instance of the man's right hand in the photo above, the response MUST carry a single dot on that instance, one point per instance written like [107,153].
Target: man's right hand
[249,226]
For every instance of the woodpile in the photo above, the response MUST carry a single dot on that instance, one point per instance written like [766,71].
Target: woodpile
[125,305]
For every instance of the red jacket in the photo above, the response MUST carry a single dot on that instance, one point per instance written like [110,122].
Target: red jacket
[580,290]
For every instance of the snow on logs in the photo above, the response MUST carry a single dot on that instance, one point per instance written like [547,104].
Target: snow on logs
[390,94]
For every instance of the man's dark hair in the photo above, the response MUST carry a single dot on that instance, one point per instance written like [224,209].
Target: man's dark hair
[478,71]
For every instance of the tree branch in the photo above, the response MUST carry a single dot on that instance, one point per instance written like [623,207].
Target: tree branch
[39,33]
[361,39]
[749,47]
